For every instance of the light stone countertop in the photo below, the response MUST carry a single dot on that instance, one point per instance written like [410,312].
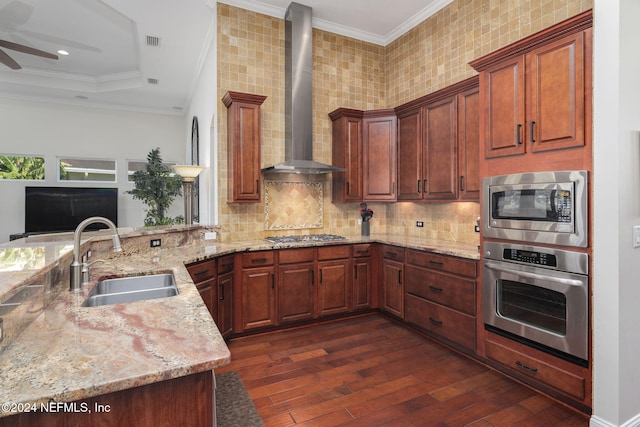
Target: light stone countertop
[70,352]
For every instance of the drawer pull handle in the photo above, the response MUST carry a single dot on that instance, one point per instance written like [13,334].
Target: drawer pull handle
[229,264]
[434,289]
[257,260]
[390,254]
[435,321]
[201,273]
[363,251]
[523,366]
[518,131]
[436,263]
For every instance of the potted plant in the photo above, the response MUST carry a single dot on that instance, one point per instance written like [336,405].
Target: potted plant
[157,186]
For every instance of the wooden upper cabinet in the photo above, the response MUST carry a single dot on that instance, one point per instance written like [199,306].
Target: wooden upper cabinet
[379,165]
[347,153]
[410,154]
[243,149]
[535,93]
[440,148]
[469,144]
[503,88]
[555,107]
[438,145]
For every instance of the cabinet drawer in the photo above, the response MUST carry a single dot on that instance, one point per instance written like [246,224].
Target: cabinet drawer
[453,265]
[560,379]
[361,250]
[225,264]
[392,252]
[257,259]
[203,270]
[451,291]
[289,256]
[450,324]
[334,252]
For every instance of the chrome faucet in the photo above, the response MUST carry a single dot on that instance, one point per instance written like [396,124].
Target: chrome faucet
[76,266]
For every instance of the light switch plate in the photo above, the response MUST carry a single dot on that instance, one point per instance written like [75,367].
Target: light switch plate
[636,236]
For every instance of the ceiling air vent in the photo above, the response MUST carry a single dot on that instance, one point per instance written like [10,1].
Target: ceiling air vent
[152,81]
[153,41]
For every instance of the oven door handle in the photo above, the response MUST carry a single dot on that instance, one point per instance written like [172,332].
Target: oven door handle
[550,276]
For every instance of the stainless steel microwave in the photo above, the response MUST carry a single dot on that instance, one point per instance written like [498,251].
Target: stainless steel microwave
[537,207]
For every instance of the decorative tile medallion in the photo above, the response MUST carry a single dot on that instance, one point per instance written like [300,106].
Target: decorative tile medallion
[293,205]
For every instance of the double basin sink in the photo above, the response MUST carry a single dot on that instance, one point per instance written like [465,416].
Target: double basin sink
[131,288]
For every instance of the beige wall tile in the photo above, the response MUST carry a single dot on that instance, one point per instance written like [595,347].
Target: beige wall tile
[355,74]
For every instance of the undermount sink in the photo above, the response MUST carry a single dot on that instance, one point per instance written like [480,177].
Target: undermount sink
[133,288]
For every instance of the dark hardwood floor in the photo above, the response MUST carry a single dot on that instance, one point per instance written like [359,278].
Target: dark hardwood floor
[370,371]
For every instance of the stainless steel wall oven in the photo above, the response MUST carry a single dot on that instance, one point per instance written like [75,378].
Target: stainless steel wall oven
[539,296]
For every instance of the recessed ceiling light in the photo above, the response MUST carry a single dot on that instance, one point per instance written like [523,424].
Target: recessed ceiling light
[63,52]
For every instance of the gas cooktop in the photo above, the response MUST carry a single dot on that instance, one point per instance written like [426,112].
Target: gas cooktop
[304,238]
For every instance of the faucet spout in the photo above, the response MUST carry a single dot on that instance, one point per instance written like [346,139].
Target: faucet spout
[77,266]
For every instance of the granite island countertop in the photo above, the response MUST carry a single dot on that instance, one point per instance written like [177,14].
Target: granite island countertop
[70,352]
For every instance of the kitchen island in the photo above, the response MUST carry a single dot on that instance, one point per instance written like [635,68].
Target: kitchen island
[88,355]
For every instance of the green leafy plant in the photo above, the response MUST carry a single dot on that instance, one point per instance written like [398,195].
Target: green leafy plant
[157,186]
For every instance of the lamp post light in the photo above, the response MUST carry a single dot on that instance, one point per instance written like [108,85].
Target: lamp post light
[188,173]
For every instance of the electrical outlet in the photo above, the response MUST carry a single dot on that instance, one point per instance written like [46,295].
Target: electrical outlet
[419,224]
[155,243]
[210,235]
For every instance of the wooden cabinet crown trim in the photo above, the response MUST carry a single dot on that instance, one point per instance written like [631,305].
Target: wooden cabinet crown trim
[231,97]
[345,112]
[575,24]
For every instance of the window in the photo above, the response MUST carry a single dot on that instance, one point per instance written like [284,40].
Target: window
[87,170]
[22,167]
[139,165]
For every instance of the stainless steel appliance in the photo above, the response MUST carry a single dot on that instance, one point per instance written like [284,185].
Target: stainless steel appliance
[537,207]
[539,296]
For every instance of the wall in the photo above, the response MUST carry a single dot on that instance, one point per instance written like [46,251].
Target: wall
[51,130]
[616,268]
[354,74]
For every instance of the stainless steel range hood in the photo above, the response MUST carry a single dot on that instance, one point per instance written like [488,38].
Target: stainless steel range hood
[298,151]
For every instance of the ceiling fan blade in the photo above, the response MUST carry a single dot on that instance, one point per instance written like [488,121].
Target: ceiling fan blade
[26,49]
[8,61]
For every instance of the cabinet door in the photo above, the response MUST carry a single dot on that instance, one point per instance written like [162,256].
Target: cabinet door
[361,283]
[503,108]
[469,145]
[243,146]
[440,150]
[334,287]
[258,298]
[393,289]
[555,94]
[347,152]
[410,184]
[224,318]
[296,292]
[379,175]
[207,290]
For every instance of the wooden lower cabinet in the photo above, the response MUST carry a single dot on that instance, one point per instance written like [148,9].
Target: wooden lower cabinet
[334,287]
[450,324]
[361,296]
[561,379]
[296,289]
[441,296]
[186,401]
[258,298]
[224,316]
[392,288]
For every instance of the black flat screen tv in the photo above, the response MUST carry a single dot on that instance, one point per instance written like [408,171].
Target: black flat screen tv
[59,209]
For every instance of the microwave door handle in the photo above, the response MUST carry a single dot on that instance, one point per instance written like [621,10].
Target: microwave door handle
[535,276]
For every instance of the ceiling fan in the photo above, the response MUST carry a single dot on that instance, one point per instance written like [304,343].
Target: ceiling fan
[11,63]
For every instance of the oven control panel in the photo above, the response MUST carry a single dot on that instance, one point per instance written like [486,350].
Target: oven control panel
[530,257]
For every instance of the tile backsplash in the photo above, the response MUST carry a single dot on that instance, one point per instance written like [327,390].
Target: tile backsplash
[355,74]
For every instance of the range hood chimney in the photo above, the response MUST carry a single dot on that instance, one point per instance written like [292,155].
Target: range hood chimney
[298,149]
